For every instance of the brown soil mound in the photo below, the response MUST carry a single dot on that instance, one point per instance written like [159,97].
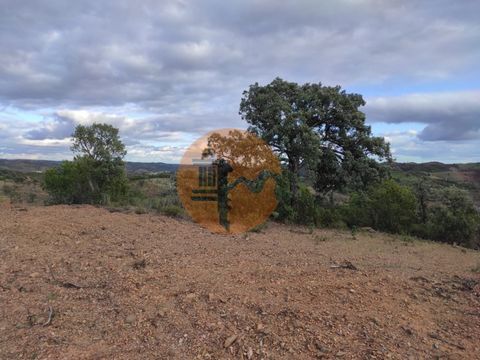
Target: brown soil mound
[84,283]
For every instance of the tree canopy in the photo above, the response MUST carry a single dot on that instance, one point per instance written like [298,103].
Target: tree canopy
[97,173]
[99,142]
[318,129]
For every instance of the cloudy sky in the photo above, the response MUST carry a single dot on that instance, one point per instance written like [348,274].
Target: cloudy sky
[165,72]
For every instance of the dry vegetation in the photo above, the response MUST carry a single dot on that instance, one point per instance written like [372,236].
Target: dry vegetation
[84,283]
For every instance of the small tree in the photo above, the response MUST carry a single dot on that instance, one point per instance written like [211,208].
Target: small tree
[97,173]
[98,142]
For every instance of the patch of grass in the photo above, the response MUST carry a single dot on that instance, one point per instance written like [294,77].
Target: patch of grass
[172,210]
[354,231]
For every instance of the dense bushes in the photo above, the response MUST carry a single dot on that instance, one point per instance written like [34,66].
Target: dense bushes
[387,207]
[448,216]
[452,219]
[85,181]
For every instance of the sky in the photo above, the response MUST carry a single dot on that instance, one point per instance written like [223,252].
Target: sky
[166,72]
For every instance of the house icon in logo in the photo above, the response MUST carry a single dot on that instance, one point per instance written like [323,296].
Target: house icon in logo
[213,185]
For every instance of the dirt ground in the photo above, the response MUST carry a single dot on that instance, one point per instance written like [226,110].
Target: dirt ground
[85,283]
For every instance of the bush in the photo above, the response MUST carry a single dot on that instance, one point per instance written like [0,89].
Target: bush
[387,207]
[453,220]
[357,212]
[12,192]
[85,181]
[329,217]
[63,183]
[393,207]
[284,211]
[305,211]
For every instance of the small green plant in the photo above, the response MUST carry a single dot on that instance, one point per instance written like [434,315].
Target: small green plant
[172,210]
[354,231]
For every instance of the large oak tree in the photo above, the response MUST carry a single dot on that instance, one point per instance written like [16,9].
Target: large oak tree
[318,129]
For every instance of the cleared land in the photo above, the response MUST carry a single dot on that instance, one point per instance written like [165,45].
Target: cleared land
[84,283]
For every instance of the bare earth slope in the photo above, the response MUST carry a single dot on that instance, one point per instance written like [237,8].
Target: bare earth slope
[84,283]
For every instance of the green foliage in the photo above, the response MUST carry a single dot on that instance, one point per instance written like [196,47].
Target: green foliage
[305,210]
[357,212]
[62,183]
[393,207]
[387,207]
[329,216]
[453,220]
[12,192]
[317,129]
[15,176]
[284,211]
[153,194]
[172,210]
[97,173]
[99,142]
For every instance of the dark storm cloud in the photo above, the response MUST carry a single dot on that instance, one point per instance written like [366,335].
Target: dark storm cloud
[111,53]
[183,65]
[448,116]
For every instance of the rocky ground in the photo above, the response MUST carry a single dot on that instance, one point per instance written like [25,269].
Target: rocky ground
[85,283]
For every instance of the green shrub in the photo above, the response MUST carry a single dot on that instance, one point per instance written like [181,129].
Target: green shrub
[393,207]
[357,212]
[453,220]
[12,192]
[329,217]
[305,209]
[85,181]
[387,207]
[284,211]
[172,210]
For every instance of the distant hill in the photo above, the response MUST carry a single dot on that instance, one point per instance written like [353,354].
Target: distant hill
[31,166]
[152,167]
[438,175]
[27,166]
